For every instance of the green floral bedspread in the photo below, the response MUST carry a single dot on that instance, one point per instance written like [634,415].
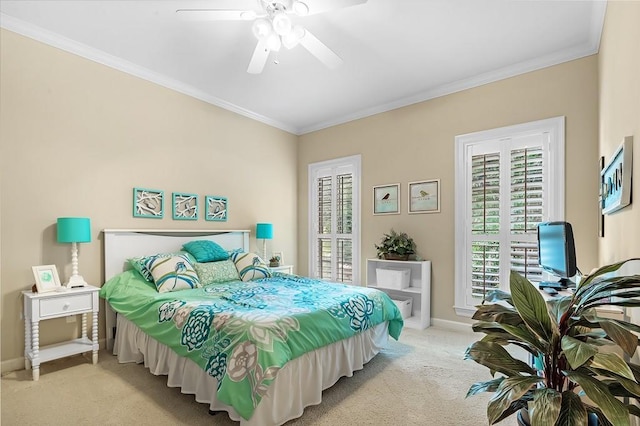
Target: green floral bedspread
[242,333]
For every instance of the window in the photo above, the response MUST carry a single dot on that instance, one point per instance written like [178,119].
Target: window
[508,180]
[334,220]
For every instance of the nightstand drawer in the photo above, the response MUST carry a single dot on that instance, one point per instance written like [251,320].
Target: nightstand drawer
[65,305]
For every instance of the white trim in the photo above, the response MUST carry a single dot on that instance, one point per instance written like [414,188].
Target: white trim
[591,47]
[355,162]
[459,86]
[56,40]
[555,129]
[458,326]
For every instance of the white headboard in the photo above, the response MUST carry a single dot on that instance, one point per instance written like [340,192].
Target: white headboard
[121,244]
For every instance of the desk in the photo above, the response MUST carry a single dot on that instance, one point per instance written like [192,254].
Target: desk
[607,311]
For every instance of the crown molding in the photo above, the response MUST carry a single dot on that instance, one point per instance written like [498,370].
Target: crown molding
[590,47]
[63,43]
[463,84]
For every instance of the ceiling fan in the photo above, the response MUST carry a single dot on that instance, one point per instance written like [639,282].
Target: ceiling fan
[273,28]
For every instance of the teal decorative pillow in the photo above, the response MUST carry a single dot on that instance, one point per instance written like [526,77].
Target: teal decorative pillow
[139,263]
[216,272]
[206,251]
[172,273]
[250,266]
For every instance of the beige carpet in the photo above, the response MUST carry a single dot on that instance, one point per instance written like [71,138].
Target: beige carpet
[420,380]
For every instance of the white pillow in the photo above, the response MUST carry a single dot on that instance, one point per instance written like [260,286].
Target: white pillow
[250,266]
[172,273]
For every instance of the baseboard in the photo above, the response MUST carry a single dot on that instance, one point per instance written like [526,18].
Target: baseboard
[12,365]
[461,327]
[18,363]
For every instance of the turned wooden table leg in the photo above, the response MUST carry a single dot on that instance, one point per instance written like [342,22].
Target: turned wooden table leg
[35,347]
[27,344]
[94,336]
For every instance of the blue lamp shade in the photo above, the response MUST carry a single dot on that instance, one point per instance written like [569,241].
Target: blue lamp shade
[264,231]
[74,230]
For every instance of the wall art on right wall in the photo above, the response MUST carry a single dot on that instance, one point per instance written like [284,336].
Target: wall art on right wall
[615,178]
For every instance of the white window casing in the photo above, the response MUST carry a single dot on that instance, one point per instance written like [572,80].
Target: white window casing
[507,180]
[334,219]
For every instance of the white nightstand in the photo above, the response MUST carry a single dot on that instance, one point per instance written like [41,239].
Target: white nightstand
[44,306]
[286,269]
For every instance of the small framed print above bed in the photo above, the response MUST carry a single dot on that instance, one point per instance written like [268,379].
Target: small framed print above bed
[148,203]
[216,208]
[185,206]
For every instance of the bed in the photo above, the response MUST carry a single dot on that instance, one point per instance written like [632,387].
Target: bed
[270,374]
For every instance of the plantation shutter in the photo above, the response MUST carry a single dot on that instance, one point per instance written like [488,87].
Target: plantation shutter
[527,209]
[333,248]
[485,223]
[506,202]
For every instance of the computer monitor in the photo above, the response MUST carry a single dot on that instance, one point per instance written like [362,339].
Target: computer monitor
[557,252]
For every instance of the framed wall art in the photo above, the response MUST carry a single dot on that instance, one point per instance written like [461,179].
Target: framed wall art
[47,278]
[148,203]
[216,208]
[424,196]
[616,178]
[185,206]
[386,199]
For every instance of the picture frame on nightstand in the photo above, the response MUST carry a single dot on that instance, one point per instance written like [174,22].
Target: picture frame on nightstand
[47,278]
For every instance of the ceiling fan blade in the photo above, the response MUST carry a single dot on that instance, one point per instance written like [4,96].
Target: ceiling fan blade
[216,15]
[259,58]
[320,50]
[320,6]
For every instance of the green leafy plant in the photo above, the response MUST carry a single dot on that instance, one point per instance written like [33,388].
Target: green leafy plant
[567,339]
[274,261]
[396,244]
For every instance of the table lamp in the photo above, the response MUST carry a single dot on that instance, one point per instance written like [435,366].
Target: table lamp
[74,230]
[264,231]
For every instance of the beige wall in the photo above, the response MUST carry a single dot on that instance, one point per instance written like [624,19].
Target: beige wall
[619,78]
[77,136]
[417,142]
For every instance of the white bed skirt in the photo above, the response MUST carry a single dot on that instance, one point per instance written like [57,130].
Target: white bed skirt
[298,384]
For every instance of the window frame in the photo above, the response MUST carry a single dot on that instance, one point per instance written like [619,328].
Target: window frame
[555,172]
[354,163]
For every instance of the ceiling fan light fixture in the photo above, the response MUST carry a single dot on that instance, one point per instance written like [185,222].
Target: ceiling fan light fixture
[292,39]
[281,23]
[261,28]
[273,42]
[300,8]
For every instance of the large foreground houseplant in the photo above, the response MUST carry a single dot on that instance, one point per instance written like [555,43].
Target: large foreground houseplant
[576,374]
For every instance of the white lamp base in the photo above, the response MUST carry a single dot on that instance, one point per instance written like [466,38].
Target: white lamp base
[76,281]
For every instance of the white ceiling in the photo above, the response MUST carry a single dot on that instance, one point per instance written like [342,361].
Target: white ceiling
[395,52]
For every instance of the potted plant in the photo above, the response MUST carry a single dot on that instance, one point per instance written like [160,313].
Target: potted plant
[396,246]
[565,337]
[274,261]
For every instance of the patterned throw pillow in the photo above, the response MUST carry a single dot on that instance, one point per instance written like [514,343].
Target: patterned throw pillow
[172,273]
[139,263]
[216,272]
[206,251]
[250,266]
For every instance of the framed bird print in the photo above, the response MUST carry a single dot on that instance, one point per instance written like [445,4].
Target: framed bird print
[424,196]
[386,199]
